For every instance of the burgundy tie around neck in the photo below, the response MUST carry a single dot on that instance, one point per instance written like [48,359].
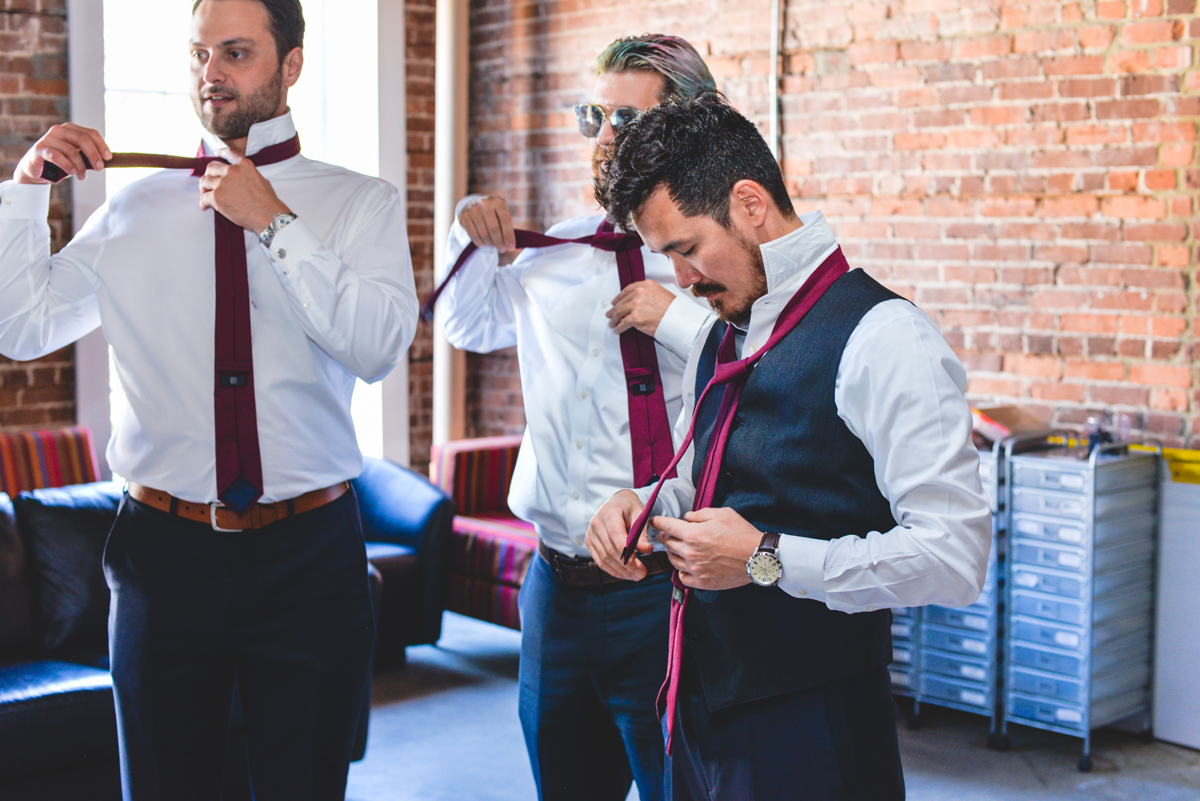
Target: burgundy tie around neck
[649,425]
[239,461]
[731,373]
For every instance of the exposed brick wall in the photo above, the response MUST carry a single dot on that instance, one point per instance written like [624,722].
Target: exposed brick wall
[1025,171]
[419,24]
[33,96]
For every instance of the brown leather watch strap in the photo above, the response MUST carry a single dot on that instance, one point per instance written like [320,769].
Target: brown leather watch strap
[770,541]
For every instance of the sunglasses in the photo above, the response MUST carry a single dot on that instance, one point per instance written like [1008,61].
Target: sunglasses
[590,117]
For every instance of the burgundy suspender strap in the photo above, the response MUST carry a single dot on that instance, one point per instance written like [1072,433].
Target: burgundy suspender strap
[730,373]
[649,425]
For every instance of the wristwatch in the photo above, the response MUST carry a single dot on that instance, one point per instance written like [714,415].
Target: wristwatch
[275,226]
[763,566]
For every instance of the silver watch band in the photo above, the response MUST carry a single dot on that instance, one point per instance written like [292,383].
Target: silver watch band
[277,223]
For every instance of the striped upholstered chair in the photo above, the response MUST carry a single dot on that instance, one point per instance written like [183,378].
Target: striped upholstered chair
[32,460]
[491,549]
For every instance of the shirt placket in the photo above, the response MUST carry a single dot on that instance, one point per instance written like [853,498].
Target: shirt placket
[590,380]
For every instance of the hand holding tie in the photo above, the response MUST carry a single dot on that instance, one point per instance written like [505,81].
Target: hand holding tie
[240,193]
[709,547]
[70,147]
[640,305]
[607,532]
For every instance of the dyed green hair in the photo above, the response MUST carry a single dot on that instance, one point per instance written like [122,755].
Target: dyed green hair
[670,56]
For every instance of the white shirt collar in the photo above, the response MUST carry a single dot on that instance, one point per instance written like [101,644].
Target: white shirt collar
[788,261]
[262,135]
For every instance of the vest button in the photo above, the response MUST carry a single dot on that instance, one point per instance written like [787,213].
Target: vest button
[736,424]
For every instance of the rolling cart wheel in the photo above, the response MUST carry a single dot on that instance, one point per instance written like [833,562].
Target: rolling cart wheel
[999,742]
[1085,764]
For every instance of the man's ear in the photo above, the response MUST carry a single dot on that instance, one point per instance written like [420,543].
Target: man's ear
[293,63]
[749,203]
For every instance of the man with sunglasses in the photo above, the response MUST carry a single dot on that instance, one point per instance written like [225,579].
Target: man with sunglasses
[592,646]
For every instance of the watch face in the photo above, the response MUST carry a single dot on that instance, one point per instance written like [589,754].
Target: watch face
[765,569]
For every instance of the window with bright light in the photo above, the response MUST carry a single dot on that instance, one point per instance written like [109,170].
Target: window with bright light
[335,107]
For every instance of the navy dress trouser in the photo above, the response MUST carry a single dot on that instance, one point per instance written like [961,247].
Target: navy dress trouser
[592,660]
[834,742]
[284,610]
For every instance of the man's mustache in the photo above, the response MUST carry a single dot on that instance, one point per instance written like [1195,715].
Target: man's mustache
[706,288]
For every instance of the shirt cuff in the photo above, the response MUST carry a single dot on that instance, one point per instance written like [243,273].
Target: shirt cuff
[803,560]
[24,201]
[680,325]
[294,244]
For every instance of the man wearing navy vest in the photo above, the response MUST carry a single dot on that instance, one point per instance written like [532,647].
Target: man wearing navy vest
[826,476]
[590,643]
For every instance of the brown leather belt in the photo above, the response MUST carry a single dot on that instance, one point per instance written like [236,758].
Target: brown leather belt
[578,572]
[222,518]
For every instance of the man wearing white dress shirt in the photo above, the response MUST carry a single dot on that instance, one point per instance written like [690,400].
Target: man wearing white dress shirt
[591,646]
[847,483]
[258,577]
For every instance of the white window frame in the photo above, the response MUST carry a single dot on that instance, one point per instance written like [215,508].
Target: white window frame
[85,37]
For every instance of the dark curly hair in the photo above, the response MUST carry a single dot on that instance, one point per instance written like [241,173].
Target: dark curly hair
[698,148]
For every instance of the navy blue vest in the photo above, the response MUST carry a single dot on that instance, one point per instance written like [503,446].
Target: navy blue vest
[791,466]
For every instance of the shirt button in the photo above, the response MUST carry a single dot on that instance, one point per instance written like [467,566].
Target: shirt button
[579,541]
[306,304]
[583,394]
[575,494]
[803,593]
[579,444]
[870,609]
[595,351]
[281,254]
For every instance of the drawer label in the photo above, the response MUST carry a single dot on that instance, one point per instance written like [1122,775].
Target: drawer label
[1069,715]
[1067,639]
[973,698]
[975,646]
[973,672]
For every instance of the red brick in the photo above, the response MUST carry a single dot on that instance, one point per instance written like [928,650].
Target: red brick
[1095,370]
[1076,65]
[1159,179]
[1089,323]
[1133,206]
[1152,32]
[1164,132]
[1071,206]
[1131,61]
[1160,375]
[1099,36]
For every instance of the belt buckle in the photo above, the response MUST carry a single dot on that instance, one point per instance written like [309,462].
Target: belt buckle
[213,507]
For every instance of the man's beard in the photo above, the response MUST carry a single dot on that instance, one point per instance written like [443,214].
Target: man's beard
[250,109]
[738,315]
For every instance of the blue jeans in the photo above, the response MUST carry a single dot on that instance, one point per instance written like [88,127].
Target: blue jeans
[592,660]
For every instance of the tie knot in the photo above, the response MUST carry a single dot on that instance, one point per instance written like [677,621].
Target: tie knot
[616,242]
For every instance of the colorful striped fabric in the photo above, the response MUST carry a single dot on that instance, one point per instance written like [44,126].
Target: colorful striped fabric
[38,459]
[491,549]
[476,472]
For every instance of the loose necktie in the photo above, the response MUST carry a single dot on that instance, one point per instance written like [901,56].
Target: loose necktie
[730,373]
[238,457]
[649,425]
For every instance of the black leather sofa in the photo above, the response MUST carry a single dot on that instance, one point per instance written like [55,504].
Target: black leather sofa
[57,720]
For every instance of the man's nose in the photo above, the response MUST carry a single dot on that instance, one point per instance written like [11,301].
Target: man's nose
[685,276]
[607,134]
[213,72]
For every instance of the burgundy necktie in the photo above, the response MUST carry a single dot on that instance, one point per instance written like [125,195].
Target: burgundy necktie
[239,462]
[731,373]
[649,425]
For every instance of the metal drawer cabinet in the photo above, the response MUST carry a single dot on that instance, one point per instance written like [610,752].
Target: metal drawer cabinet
[1079,578]
[905,650]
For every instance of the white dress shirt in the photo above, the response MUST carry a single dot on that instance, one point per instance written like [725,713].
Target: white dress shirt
[551,303]
[899,389]
[334,299]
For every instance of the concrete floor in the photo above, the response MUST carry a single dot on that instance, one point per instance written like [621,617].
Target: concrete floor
[445,727]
